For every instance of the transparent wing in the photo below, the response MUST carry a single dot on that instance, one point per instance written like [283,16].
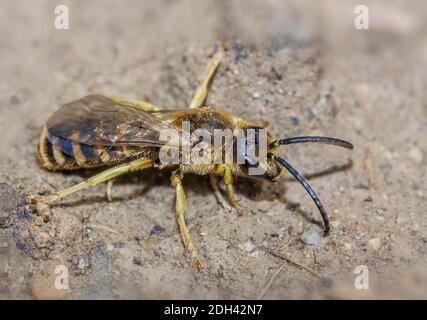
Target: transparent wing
[98,120]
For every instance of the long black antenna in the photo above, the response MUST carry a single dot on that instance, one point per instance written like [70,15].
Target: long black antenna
[307,187]
[304,139]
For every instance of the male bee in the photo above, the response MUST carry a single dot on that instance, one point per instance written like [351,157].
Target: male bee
[125,136]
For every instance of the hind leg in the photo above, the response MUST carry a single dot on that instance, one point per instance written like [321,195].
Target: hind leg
[93,181]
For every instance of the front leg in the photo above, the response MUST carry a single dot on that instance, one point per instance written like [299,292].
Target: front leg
[176,180]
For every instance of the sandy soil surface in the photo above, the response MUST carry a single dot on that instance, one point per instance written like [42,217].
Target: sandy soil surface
[302,67]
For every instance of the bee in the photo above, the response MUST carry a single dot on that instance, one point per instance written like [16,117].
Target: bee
[125,136]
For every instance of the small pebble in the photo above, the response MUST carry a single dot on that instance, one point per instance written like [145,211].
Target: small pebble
[14,100]
[312,235]
[249,246]
[157,230]
[362,186]
[4,220]
[138,238]
[256,95]
[326,282]
[82,264]
[254,253]
[374,243]
[335,224]
[119,245]
[137,261]
[295,121]
[416,155]
[404,217]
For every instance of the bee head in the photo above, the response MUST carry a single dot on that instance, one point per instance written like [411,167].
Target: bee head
[273,166]
[258,144]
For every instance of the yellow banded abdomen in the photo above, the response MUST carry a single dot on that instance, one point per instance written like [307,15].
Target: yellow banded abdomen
[57,153]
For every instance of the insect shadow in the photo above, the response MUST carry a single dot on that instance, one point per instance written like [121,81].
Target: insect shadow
[147,180]
[253,189]
[257,190]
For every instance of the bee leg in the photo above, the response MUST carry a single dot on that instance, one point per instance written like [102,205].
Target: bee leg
[176,180]
[203,89]
[218,194]
[227,177]
[144,105]
[101,177]
[109,192]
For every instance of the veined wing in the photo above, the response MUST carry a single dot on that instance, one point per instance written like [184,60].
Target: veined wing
[97,120]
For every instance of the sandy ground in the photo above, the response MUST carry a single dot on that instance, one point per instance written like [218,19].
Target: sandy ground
[299,65]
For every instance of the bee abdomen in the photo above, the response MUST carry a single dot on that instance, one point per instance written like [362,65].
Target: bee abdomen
[57,153]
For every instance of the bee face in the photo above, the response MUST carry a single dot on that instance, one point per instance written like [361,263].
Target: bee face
[257,146]
[275,172]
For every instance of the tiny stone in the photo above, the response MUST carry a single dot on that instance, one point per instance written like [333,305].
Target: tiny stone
[312,235]
[404,217]
[326,282]
[416,155]
[375,243]
[362,186]
[335,224]
[4,220]
[295,121]
[157,230]
[254,253]
[138,238]
[14,100]
[119,245]
[82,264]
[38,221]
[249,247]
[256,95]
